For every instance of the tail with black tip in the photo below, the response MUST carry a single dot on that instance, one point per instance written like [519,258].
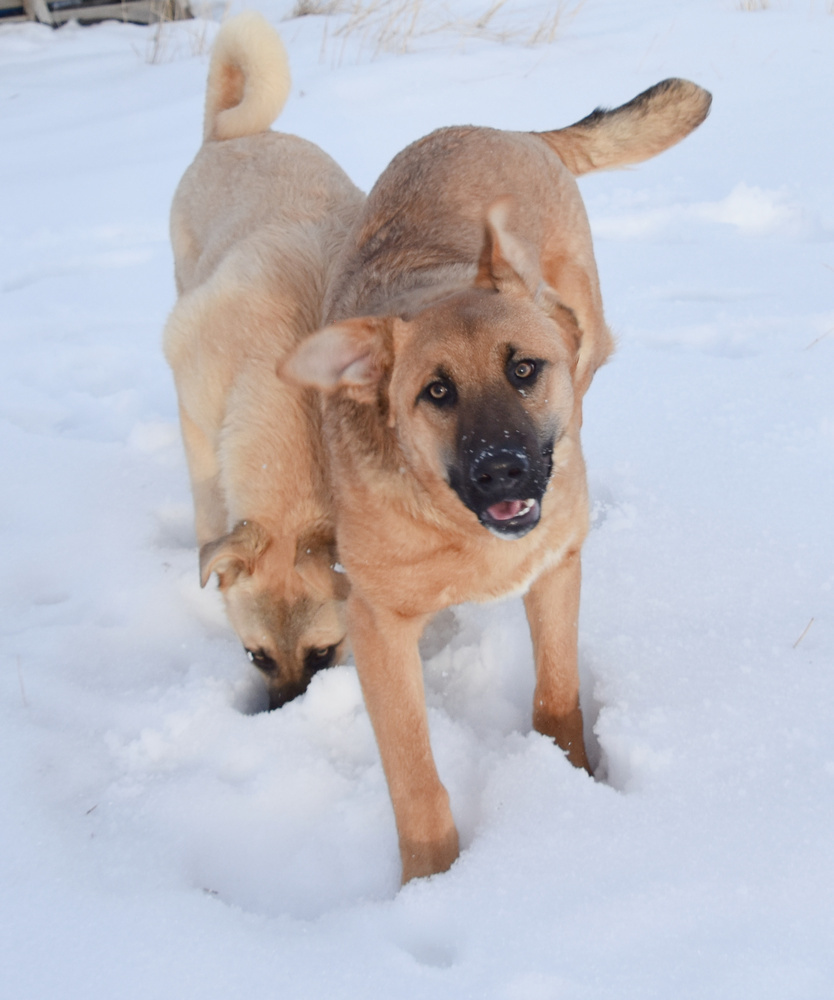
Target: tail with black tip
[653,121]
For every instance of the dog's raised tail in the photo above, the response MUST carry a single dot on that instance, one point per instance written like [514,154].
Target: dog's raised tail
[651,122]
[248,80]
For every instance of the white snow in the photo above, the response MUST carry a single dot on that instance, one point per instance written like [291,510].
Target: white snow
[163,837]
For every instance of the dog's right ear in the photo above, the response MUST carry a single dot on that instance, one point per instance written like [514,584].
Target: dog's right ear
[316,560]
[233,554]
[352,355]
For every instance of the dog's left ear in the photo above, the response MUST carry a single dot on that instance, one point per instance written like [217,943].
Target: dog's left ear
[233,554]
[316,560]
[353,354]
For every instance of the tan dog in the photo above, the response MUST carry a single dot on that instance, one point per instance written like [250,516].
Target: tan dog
[256,222]
[452,410]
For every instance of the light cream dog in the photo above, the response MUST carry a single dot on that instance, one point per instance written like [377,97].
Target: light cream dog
[466,326]
[256,222]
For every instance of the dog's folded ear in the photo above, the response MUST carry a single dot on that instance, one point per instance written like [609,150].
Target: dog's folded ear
[233,554]
[353,354]
[507,263]
[316,562]
[510,264]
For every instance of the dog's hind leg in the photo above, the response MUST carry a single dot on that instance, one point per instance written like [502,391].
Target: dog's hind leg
[391,674]
[552,606]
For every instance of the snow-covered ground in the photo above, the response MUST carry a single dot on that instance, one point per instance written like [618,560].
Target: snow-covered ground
[162,837]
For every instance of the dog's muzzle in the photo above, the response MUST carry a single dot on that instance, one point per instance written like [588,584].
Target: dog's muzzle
[503,484]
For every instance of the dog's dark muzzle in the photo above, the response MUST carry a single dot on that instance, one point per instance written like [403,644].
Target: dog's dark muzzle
[502,476]
[507,492]
[497,472]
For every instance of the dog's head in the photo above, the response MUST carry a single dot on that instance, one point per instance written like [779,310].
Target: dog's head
[288,614]
[480,385]
[480,392]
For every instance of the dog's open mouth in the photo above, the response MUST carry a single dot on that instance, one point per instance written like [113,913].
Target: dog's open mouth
[512,517]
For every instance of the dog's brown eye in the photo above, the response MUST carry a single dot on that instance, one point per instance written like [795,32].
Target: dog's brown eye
[320,657]
[262,660]
[439,393]
[524,374]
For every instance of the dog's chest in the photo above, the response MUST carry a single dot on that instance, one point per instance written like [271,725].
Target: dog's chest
[416,569]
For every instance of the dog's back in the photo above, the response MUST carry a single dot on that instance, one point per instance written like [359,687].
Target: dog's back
[246,182]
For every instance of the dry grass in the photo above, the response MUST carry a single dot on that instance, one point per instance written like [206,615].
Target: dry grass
[166,40]
[307,8]
[807,627]
[548,30]
[392,25]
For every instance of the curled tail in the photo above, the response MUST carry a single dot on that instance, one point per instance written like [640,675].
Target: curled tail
[248,81]
[651,122]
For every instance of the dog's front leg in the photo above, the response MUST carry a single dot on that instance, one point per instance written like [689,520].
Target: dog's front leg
[209,510]
[388,662]
[552,605]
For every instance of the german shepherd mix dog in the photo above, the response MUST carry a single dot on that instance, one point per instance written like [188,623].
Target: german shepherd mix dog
[465,328]
[256,223]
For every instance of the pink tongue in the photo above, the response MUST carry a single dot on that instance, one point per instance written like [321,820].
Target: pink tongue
[505,510]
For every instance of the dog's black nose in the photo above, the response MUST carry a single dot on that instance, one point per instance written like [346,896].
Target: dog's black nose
[496,473]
